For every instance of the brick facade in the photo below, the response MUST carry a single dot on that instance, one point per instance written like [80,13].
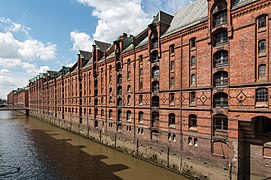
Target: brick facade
[193,95]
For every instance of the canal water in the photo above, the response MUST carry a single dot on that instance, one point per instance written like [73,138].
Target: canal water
[32,149]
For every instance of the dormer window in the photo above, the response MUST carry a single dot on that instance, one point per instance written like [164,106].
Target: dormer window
[219,13]
[262,21]
[154,56]
[154,40]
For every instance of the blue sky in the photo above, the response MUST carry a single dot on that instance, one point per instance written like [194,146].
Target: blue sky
[36,36]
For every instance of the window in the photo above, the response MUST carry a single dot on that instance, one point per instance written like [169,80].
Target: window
[119,102]
[140,100]
[171,49]
[128,115]
[89,111]
[171,119]
[110,78]
[110,114]
[262,71]
[141,72]
[262,21]
[171,98]
[110,100]
[119,115]
[110,67]
[140,59]
[172,66]
[155,86]
[220,100]
[154,40]
[155,71]
[140,116]
[193,98]
[193,79]
[119,91]
[192,122]
[263,125]
[220,18]
[128,88]
[140,86]
[262,95]
[220,122]
[193,43]
[154,56]
[155,101]
[193,61]
[128,62]
[172,82]
[221,58]
[102,100]
[102,113]
[110,90]
[262,46]
[129,75]
[128,100]
[155,118]
[119,79]
[221,79]
[221,38]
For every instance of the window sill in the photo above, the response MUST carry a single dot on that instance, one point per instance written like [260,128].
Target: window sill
[262,54]
[193,104]
[261,29]
[261,105]
[193,129]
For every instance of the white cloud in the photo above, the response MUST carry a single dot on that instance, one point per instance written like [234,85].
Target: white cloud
[4,71]
[9,25]
[81,41]
[29,49]
[116,17]
[31,69]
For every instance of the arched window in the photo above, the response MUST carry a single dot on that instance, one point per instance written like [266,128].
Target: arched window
[128,115]
[154,40]
[140,116]
[128,100]
[154,56]
[171,119]
[220,100]
[220,122]
[119,92]
[155,101]
[155,118]
[119,116]
[193,79]
[192,122]
[128,88]
[220,38]
[102,113]
[110,113]
[119,79]
[155,86]
[220,79]
[140,99]
[263,125]
[221,58]
[262,21]
[193,61]
[219,13]
[119,102]
[171,49]
[155,71]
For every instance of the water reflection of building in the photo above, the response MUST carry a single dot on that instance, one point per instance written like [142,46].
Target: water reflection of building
[191,90]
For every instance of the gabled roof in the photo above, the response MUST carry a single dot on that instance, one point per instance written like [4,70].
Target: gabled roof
[103,46]
[85,54]
[163,18]
[239,3]
[189,15]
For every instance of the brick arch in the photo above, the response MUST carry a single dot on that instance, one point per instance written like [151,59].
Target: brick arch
[220,148]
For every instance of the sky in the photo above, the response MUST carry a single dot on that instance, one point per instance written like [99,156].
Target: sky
[36,36]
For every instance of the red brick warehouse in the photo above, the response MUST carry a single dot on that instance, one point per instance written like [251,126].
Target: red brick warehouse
[190,92]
